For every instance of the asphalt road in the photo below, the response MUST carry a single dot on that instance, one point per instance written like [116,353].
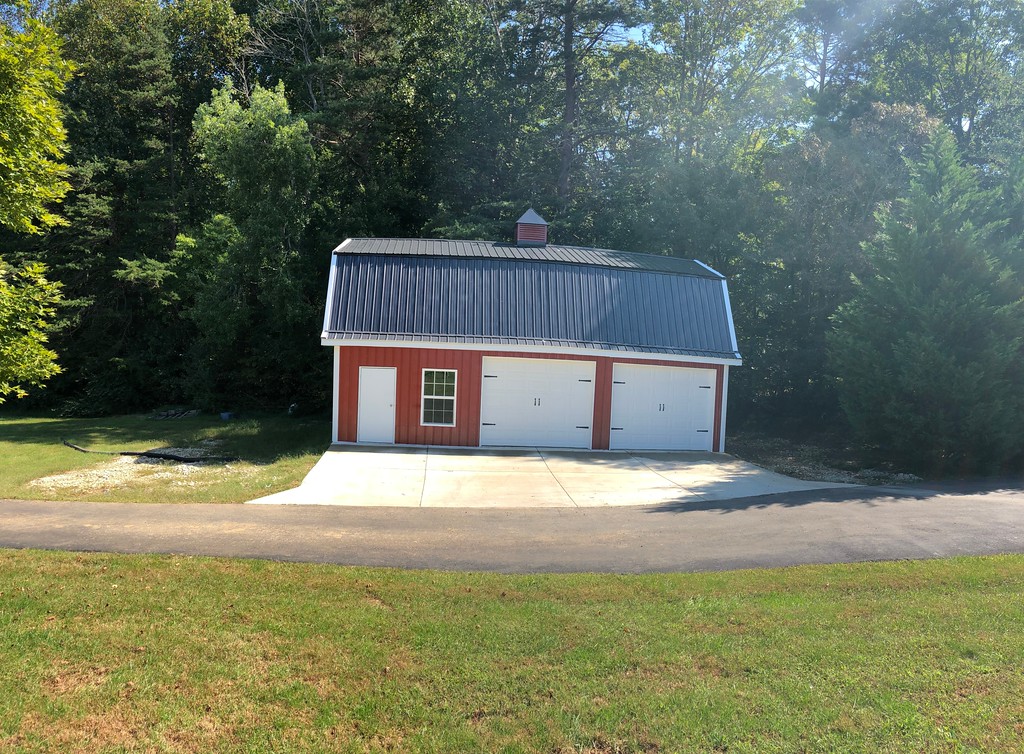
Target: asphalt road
[824,526]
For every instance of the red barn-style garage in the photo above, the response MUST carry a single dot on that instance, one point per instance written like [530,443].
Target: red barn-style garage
[478,343]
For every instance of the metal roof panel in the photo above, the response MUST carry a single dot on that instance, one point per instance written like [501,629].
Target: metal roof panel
[514,301]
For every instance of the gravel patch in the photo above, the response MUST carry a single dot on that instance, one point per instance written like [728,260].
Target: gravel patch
[125,470]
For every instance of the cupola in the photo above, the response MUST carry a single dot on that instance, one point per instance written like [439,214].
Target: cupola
[531,229]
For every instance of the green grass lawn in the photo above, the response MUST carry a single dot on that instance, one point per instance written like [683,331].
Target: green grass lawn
[275,453]
[117,653]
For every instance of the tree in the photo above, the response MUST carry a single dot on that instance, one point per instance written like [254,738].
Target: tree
[27,302]
[929,351]
[347,68]
[586,25]
[248,286]
[826,190]
[122,206]
[264,158]
[526,104]
[719,55]
[32,76]
[32,138]
[833,50]
[955,57]
[206,39]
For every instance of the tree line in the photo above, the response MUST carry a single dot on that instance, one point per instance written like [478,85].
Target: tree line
[852,166]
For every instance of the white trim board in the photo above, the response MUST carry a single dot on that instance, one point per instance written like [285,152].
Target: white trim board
[725,409]
[709,268]
[728,311]
[337,390]
[516,349]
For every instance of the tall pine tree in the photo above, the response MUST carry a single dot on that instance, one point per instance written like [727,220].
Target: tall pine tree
[930,350]
[121,207]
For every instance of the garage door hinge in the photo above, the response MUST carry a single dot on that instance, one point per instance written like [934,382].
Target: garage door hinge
[705,387]
[491,376]
[489,424]
[703,430]
[583,380]
[579,427]
[616,427]
[618,382]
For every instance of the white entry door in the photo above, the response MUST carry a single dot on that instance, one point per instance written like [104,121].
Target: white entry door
[543,402]
[375,420]
[662,408]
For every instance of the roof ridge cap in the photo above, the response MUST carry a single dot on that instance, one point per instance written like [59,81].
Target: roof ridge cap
[660,263]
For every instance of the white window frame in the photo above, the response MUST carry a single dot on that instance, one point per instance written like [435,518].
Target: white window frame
[424,396]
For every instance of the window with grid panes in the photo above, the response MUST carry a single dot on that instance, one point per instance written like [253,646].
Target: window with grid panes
[439,397]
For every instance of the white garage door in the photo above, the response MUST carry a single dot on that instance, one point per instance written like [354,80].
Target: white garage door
[544,402]
[662,408]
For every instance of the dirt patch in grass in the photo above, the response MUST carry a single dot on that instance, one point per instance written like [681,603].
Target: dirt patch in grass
[72,679]
[822,458]
[200,737]
[114,729]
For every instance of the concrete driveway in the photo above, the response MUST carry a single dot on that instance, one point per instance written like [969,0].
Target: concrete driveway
[431,477]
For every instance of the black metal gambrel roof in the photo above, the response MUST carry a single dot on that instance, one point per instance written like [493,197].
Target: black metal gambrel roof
[571,297]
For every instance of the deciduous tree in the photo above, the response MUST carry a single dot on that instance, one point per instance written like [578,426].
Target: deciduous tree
[32,138]
[27,303]
[245,275]
[33,75]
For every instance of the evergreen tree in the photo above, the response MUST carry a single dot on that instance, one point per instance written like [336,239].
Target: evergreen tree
[797,270]
[121,207]
[929,350]
[347,69]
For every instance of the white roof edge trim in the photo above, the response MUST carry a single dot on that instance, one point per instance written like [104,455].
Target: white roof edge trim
[503,348]
[728,312]
[709,268]
[330,291]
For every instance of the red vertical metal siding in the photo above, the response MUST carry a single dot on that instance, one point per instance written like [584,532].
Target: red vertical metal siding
[603,404]
[410,363]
